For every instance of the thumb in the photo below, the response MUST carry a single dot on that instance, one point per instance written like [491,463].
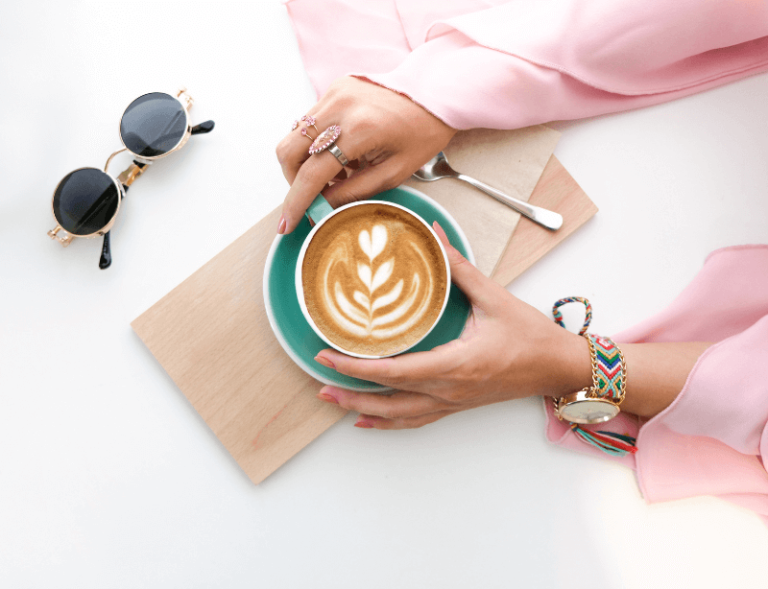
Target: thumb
[363,184]
[481,290]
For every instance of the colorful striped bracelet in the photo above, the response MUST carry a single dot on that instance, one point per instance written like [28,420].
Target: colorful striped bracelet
[601,401]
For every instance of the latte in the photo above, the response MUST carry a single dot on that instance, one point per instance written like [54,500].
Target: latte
[374,279]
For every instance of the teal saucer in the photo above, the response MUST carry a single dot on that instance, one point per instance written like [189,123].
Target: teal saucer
[293,332]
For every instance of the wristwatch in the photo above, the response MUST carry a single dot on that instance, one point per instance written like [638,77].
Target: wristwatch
[600,402]
[584,407]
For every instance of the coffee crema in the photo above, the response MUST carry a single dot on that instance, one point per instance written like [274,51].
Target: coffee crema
[374,279]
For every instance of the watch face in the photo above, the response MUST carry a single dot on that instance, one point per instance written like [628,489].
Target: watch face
[589,411]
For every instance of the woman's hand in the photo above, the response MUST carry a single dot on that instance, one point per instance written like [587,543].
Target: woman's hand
[508,350]
[385,136]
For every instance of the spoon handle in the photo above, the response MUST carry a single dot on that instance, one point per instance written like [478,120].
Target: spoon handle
[543,217]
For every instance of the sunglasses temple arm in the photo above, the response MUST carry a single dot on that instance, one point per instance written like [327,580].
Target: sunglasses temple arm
[135,170]
[126,178]
[202,128]
[105,261]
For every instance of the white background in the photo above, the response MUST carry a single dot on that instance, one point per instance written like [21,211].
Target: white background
[108,477]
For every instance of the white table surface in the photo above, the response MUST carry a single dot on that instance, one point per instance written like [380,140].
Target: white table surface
[108,477]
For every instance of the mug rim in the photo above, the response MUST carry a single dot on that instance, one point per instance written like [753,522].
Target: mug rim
[300,284]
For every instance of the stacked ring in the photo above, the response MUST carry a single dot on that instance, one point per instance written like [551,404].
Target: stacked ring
[327,140]
[310,120]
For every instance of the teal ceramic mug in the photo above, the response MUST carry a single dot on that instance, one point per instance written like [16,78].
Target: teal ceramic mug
[287,320]
[320,212]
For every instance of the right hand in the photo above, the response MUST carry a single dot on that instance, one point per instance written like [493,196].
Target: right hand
[385,136]
[508,350]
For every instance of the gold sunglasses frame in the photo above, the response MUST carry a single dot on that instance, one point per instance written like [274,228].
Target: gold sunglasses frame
[127,176]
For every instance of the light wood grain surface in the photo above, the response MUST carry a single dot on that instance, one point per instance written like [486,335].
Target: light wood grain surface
[513,162]
[557,191]
[212,336]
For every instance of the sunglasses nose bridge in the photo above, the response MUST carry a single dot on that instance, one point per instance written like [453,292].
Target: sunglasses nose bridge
[109,159]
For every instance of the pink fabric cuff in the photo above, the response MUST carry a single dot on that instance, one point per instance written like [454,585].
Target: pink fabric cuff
[509,92]
[713,439]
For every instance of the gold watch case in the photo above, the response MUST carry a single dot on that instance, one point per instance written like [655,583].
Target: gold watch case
[584,408]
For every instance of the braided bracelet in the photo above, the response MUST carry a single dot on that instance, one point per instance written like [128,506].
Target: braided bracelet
[601,401]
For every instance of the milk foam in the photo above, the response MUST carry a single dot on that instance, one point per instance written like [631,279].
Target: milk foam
[358,316]
[374,279]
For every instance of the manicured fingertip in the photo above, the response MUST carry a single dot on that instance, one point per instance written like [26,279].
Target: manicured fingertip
[324,361]
[281,225]
[441,234]
[363,424]
[327,398]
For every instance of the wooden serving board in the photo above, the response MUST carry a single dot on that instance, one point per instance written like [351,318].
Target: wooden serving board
[212,336]
[556,190]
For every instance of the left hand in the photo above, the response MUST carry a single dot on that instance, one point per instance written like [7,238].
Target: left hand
[508,350]
[378,140]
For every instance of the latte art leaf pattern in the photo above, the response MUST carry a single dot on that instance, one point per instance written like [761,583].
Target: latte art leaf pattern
[374,279]
[384,303]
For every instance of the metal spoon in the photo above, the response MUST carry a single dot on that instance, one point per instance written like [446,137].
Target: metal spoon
[437,168]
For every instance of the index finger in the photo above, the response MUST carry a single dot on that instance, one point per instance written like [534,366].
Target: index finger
[312,177]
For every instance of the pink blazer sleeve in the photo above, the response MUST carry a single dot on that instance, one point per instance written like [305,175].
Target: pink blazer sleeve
[713,439]
[504,65]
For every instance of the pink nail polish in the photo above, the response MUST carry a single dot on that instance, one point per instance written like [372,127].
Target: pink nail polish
[281,225]
[328,398]
[364,425]
[325,362]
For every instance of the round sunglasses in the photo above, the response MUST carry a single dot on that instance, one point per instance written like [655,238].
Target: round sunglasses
[86,201]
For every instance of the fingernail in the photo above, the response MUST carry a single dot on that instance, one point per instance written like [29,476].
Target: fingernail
[325,362]
[439,230]
[364,424]
[281,225]
[328,398]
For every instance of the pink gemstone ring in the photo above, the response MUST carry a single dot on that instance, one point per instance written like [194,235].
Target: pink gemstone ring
[327,140]
[307,135]
[309,119]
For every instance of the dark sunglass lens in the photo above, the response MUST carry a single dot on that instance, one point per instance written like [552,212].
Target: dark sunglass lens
[153,124]
[85,201]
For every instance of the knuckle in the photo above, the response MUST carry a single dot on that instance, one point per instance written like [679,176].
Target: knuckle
[281,151]
[401,411]
[308,169]
[390,180]
[453,395]
[361,124]
[456,258]
[389,370]
[390,412]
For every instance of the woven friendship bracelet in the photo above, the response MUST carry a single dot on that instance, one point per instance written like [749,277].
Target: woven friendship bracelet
[611,369]
[559,316]
[609,382]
